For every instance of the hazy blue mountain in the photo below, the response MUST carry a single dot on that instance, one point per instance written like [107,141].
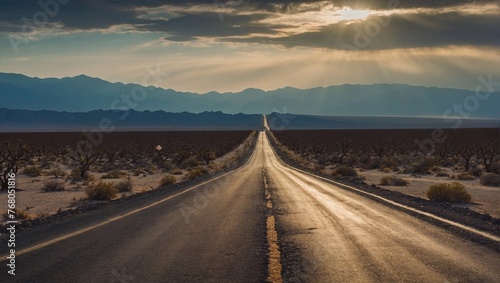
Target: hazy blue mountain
[47,120]
[279,121]
[44,120]
[83,93]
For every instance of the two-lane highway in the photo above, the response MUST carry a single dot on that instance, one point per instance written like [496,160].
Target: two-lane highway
[339,236]
[216,232]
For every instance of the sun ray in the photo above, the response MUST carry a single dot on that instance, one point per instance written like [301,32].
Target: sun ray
[349,14]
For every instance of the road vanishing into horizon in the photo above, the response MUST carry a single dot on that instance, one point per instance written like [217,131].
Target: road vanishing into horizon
[219,231]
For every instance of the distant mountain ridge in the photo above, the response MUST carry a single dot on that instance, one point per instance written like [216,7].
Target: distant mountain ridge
[83,94]
[279,121]
[47,120]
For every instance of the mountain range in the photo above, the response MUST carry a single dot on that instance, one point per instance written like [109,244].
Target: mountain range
[103,120]
[131,120]
[83,94]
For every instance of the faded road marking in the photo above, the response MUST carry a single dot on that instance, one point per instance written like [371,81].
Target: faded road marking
[274,267]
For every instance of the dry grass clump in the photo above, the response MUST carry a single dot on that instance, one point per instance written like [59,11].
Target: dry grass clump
[393,181]
[20,214]
[33,171]
[54,186]
[101,191]
[345,171]
[124,186]
[491,180]
[465,176]
[167,180]
[451,192]
[113,174]
[196,173]
[57,172]
[177,172]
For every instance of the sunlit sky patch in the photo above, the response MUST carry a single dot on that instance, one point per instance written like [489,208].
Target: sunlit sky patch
[232,45]
[348,14]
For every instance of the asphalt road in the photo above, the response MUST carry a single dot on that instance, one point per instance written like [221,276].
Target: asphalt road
[216,232]
[329,234]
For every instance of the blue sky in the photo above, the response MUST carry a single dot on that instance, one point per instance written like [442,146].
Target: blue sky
[202,46]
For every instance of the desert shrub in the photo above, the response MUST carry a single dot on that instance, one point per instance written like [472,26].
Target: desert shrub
[101,191]
[142,163]
[32,171]
[75,175]
[113,174]
[202,169]
[424,165]
[57,172]
[20,214]
[442,174]
[54,186]
[42,215]
[373,163]
[388,162]
[139,171]
[451,192]
[124,186]
[195,173]
[393,181]
[351,160]
[465,176]
[66,160]
[450,161]
[323,160]
[45,163]
[345,171]
[166,166]
[152,170]
[490,179]
[106,167]
[167,180]
[363,161]
[436,169]
[190,162]
[476,171]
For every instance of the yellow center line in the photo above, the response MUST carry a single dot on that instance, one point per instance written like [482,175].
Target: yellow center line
[274,267]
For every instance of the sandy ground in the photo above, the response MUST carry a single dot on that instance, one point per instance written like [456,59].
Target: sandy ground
[37,203]
[484,199]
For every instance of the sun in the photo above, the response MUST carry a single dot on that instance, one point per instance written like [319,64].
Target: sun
[349,14]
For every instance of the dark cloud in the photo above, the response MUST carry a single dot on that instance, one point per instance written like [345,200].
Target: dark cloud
[392,4]
[71,14]
[211,24]
[90,14]
[403,31]
[287,6]
[397,31]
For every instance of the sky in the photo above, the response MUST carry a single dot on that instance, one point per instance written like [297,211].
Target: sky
[227,46]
